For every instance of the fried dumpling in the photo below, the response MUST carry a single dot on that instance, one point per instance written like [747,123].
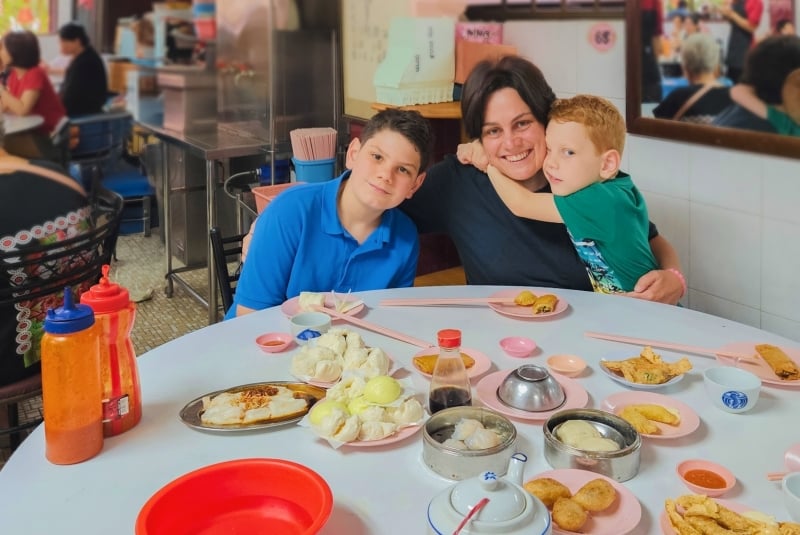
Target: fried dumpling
[525,298]
[545,303]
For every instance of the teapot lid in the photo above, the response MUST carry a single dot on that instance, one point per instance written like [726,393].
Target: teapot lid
[506,500]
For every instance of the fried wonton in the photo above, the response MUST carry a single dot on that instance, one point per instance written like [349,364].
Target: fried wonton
[648,368]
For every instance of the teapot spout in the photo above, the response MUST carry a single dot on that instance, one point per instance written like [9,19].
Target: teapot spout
[516,466]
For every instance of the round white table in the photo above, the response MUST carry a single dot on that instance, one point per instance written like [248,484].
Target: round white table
[15,124]
[386,490]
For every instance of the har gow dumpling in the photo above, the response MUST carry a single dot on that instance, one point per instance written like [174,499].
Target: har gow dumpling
[465,427]
[376,430]
[482,439]
[409,412]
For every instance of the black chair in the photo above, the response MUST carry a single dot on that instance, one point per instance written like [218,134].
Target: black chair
[224,250]
[76,262]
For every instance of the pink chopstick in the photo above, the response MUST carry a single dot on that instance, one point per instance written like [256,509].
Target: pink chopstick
[777,476]
[374,327]
[472,512]
[446,301]
[707,352]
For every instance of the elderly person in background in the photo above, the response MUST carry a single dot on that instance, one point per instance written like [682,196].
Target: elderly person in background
[39,204]
[28,91]
[704,98]
[85,87]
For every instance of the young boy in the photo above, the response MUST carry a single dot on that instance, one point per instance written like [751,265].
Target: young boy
[785,118]
[344,234]
[604,213]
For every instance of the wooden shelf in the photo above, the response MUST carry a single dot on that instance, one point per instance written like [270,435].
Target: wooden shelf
[439,110]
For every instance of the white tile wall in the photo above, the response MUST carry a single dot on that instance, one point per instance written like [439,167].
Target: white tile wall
[733,216]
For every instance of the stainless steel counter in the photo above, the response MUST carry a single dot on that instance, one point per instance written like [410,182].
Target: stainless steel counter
[213,145]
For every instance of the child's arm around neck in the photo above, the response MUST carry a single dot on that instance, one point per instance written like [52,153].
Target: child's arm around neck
[520,201]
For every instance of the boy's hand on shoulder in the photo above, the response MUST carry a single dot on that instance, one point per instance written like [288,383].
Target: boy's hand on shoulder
[472,153]
[659,286]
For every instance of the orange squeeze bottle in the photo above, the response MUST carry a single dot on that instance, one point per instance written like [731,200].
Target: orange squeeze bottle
[71,386]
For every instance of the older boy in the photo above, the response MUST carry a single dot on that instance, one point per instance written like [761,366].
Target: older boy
[344,234]
[604,213]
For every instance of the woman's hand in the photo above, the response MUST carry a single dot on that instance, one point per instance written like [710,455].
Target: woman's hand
[659,285]
[472,153]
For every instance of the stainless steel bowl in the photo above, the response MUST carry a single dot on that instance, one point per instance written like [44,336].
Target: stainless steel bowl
[620,465]
[456,464]
[531,388]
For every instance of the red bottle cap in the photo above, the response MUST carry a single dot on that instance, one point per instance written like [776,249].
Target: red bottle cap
[449,338]
[106,296]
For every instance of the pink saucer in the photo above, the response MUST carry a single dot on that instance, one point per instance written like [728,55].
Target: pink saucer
[274,342]
[518,346]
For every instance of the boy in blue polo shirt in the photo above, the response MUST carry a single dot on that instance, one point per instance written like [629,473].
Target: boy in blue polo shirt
[344,234]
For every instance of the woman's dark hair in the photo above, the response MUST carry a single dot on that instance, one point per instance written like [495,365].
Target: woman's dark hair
[489,76]
[23,47]
[71,31]
[769,63]
[409,124]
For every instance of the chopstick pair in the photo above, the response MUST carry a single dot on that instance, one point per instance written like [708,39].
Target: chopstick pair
[446,301]
[374,327]
[697,350]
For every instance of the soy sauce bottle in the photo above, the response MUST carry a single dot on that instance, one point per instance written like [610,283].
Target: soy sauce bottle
[450,384]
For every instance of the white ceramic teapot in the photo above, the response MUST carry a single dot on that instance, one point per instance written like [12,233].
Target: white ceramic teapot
[511,510]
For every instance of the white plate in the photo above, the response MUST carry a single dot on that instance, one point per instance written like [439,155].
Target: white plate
[481,366]
[623,355]
[517,311]
[622,517]
[291,307]
[486,391]
[689,419]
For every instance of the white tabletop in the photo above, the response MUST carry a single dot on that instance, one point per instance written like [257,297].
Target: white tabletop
[14,124]
[386,490]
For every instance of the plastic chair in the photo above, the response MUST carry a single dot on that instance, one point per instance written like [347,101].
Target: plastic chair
[223,250]
[75,262]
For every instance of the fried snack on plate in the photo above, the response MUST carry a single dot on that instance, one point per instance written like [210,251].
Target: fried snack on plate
[426,363]
[703,516]
[596,495]
[658,413]
[638,421]
[648,368]
[548,490]
[253,405]
[779,361]
[788,528]
[545,303]
[569,514]
[525,298]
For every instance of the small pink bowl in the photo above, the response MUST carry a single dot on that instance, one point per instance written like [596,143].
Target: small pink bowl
[697,464]
[274,342]
[518,346]
[567,365]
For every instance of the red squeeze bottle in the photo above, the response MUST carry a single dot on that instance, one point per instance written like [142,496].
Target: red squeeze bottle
[115,313]
[71,387]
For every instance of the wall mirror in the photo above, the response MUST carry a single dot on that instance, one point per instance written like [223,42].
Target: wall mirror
[640,124]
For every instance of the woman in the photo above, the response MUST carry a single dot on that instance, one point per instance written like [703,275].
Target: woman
[85,87]
[704,98]
[505,105]
[28,91]
[39,205]
[744,17]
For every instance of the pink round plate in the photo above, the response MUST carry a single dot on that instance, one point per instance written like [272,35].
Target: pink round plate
[486,390]
[325,384]
[689,419]
[759,367]
[516,311]
[622,517]
[666,527]
[792,458]
[403,434]
[291,307]
[481,366]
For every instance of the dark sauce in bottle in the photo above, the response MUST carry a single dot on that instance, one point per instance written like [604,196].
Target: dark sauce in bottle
[448,396]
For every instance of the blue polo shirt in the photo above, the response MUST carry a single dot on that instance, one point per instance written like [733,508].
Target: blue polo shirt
[299,244]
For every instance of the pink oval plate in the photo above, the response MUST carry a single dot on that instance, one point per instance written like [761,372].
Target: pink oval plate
[290,307]
[667,529]
[481,366]
[517,311]
[759,367]
[622,517]
[402,434]
[690,421]
[486,390]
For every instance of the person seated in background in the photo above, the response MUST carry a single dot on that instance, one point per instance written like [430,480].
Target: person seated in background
[85,87]
[705,96]
[785,27]
[605,215]
[766,69]
[785,118]
[39,205]
[345,234]
[28,91]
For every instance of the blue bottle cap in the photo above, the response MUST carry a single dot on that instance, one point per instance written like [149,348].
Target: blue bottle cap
[69,318]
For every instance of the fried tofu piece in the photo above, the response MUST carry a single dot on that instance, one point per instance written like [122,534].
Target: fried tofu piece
[596,495]
[779,361]
[548,490]
[638,421]
[648,368]
[569,514]
[681,526]
[525,298]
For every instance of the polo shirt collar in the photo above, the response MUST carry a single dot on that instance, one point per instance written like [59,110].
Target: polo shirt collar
[330,218]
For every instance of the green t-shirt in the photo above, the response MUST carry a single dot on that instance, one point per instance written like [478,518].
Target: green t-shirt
[782,122]
[609,226]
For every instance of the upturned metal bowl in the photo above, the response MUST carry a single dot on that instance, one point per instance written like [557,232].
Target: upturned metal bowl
[531,388]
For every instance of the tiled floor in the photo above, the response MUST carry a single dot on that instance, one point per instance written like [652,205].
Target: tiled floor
[140,267]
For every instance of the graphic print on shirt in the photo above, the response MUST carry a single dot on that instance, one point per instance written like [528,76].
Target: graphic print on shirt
[603,278]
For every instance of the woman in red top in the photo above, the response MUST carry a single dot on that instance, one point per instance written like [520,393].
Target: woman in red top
[28,90]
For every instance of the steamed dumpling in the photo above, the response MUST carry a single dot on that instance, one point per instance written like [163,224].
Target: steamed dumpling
[371,413]
[409,412]
[376,430]
[482,439]
[597,444]
[355,357]
[327,370]
[377,363]
[455,444]
[332,340]
[465,427]
[349,430]
[572,432]
[331,423]
[308,300]
[354,339]
[347,389]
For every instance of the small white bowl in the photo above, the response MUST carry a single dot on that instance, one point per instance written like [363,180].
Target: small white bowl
[791,495]
[518,346]
[309,325]
[567,365]
[732,389]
